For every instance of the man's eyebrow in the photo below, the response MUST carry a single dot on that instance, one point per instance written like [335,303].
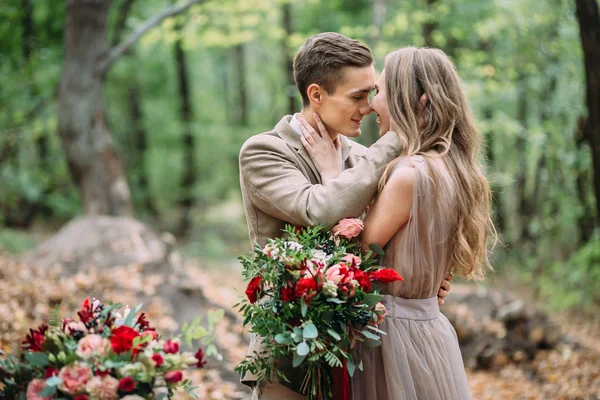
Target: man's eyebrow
[366,90]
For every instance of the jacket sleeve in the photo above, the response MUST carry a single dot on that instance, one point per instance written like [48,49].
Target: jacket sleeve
[277,187]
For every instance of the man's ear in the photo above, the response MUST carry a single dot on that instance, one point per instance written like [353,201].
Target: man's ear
[315,95]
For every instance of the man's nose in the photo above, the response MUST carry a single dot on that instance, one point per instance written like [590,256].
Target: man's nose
[366,109]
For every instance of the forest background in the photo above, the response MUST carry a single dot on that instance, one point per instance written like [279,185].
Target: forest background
[139,109]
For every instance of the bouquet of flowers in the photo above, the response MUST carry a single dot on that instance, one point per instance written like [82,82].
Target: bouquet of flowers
[312,297]
[102,356]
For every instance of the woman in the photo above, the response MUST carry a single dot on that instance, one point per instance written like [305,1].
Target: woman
[432,214]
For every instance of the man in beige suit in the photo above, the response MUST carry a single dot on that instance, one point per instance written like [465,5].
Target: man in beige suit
[280,183]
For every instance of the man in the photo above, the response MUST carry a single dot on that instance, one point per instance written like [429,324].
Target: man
[280,183]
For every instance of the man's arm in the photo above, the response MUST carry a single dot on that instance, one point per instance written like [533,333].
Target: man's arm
[278,187]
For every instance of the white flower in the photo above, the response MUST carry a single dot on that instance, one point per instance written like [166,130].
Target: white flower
[132,397]
[320,256]
[293,246]
[330,289]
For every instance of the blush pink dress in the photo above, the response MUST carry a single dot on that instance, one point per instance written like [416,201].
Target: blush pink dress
[419,357]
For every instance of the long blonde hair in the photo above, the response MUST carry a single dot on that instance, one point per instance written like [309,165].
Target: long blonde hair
[445,127]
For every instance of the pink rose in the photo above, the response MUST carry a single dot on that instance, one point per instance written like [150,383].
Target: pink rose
[348,227]
[381,312]
[92,345]
[103,388]
[339,274]
[74,377]
[34,388]
[352,260]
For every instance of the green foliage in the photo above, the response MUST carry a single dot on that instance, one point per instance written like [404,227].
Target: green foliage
[520,61]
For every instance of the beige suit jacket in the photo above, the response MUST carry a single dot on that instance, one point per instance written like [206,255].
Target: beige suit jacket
[281,185]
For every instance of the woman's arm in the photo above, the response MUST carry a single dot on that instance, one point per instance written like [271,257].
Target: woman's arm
[391,210]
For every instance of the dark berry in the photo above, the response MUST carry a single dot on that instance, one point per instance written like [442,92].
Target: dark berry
[362,318]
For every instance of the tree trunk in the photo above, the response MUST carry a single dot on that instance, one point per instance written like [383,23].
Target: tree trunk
[239,62]
[94,162]
[431,25]
[140,144]
[286,10]
[585,222]
[589,28]
[189,175]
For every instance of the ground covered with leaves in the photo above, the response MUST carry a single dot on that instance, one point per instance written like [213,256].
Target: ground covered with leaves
[570,371]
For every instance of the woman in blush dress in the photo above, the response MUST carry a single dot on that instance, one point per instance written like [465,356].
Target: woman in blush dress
[431,216]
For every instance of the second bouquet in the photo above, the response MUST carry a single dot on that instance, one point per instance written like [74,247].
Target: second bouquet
[312,296]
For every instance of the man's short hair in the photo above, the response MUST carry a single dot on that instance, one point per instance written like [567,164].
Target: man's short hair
[322,58]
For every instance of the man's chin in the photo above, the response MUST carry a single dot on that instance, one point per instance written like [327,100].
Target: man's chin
[351,133]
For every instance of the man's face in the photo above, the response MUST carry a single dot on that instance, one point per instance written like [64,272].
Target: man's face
[344,110]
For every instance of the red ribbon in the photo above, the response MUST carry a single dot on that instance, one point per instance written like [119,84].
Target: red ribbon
[341,383]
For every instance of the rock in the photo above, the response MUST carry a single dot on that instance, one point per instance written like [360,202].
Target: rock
[102,244]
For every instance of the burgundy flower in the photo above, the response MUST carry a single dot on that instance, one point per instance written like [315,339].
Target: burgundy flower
[385,275]
[254,287]
[127,384]
[121,339]
[173,376]
[158,360]
[36,338]
[102,372]
[81,397]
[200,357]
[143,323]
[171,347]
[50,372]
[86,312]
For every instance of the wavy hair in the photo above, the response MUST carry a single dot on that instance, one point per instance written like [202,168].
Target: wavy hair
[443,127]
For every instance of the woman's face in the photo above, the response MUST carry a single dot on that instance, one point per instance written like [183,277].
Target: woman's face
[380,106]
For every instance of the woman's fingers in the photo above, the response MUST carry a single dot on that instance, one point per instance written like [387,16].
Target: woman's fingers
[306,145]
[322,130]
[310,134]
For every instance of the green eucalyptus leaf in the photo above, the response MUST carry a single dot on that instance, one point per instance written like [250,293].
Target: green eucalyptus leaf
[310,331]
[302,349]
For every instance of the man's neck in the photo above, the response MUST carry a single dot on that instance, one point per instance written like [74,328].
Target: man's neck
[307,113]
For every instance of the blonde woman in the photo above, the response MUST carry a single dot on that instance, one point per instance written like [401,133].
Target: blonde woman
[431,215]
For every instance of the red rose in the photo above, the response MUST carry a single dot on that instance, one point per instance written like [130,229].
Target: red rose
[363,280]
[121,339]
[306,288]
[254,287]
[200,357]
[171,347]
[158,360]
[81,397]
[385,275]
[173,376]
[127,384]
[287,293]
